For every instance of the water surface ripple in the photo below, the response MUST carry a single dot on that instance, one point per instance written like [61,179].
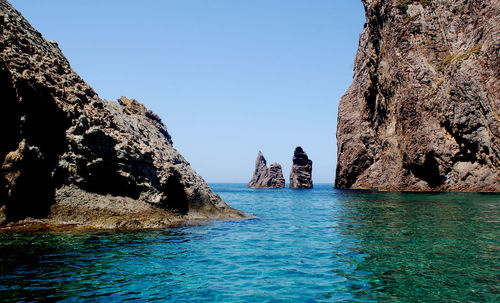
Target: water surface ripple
[305,246]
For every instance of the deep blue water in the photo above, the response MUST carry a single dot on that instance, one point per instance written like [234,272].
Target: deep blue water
[305,246]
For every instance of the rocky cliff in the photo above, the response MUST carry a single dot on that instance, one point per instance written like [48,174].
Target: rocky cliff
[68,157]
[266,177]
[423,111]
[301,173]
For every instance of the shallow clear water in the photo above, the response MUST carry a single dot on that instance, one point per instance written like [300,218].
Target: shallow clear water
[305,246]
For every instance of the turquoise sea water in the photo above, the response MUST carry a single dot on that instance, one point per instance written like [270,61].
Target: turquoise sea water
[305,246]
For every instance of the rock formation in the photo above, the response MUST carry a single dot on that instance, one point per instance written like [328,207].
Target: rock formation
[300,176]
[423,111]
[266,177]
[68,157]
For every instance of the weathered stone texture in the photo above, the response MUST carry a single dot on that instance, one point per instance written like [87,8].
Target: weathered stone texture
[423,111]
[58,137]
[266,177]
[301,173]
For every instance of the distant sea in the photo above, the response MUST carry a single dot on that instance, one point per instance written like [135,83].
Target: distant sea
[319,245]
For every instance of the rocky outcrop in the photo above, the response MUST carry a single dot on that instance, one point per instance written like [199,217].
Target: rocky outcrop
[68,157]
[300,176]
[423,111]
[266,177]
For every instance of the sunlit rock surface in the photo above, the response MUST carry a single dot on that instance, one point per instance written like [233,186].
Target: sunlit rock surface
[423,110]
[266,177]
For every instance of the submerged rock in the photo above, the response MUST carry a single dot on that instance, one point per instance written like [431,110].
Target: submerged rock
[266,177]
[423,111]
[69,157]
[300,176]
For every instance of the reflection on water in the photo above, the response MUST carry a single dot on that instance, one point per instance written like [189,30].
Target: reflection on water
[306,246]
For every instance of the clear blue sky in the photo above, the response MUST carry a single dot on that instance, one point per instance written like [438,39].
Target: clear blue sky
[228,77]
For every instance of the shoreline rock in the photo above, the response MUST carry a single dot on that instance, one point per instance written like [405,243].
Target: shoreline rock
[266,177]
[422,112]
[76,209]
[66,153]
[301,173]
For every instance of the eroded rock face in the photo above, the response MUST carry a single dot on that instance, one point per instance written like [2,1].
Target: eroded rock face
[300,176]
[60,142]
[423,111]
[266,177]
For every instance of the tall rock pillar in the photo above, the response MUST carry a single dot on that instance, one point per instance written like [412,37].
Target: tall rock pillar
[300,176]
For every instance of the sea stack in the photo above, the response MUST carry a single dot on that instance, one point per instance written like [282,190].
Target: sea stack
[69,158]
[300,176]
[423,110]
[266,177]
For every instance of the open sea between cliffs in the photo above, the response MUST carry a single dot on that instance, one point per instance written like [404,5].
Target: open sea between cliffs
[310,245]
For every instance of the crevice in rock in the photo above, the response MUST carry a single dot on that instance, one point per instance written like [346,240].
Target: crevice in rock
[43,123]
[9,123]
[428,171]
[9,116]
[176,198]
[372,92]
[468,150]
[102,174]
[371,96]
[34,138]
[2,24]
[31,190]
